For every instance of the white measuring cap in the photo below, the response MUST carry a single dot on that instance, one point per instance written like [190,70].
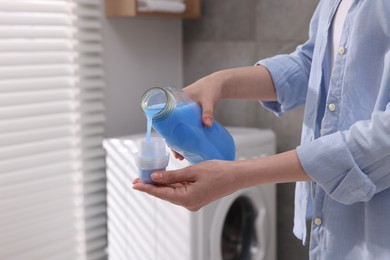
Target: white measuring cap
[153,154]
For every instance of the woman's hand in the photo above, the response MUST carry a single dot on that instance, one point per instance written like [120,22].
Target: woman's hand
[194,186]
[207,92]
[197,185]
[246,83]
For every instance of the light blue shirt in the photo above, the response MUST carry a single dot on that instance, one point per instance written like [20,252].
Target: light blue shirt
[345,145]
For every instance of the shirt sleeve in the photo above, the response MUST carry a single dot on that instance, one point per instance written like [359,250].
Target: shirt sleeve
[352,165]
[290,73]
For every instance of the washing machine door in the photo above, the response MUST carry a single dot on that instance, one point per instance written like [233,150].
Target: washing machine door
[239,227]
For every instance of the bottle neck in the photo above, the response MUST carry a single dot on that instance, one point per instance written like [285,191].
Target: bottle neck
[158,103]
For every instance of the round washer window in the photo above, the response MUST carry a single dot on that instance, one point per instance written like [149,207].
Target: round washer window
[239,240]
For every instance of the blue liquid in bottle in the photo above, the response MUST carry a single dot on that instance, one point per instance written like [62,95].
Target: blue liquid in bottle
[180,123]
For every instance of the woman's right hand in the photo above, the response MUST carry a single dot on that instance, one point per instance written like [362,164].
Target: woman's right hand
[245,83]
[207,92]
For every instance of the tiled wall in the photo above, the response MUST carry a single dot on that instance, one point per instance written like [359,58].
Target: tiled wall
[236,33]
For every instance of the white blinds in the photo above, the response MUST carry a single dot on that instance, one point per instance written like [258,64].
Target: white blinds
[52,181]
[90,82]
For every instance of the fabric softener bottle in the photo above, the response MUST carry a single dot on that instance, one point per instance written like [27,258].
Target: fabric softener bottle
[178,119]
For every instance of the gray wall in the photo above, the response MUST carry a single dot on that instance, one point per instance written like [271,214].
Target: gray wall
[139,53]
[236,33]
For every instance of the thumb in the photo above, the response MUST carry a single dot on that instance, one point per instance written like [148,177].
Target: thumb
[207,115]
[172,177]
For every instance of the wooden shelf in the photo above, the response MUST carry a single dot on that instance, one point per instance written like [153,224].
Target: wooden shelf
[128,8]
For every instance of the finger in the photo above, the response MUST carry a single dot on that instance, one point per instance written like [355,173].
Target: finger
[172,177]
[177,155]
[206,102]
[174,185]
[163,192]
[137,180]
[207,114]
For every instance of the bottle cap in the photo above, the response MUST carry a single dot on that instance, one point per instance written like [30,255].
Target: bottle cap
[152,154]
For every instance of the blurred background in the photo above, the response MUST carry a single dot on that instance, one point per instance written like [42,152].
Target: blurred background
[70,77]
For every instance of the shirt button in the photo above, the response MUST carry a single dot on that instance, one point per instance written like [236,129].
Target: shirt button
[332,107]
[317,221]
[341,50]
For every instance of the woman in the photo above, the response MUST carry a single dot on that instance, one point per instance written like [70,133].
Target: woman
[342,167]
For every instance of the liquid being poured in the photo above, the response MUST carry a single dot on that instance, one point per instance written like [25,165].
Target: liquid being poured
[150,112]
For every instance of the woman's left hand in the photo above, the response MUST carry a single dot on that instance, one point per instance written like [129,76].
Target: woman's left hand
[194,186]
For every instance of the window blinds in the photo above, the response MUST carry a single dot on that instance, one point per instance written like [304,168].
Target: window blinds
[52,178]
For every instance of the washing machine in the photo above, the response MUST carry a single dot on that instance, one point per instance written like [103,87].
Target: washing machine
[237,227]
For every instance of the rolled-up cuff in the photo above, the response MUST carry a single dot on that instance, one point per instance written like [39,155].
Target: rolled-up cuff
[328,161]
[285,76]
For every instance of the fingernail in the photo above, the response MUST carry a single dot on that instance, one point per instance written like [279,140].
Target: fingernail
[208,121]
[157,176]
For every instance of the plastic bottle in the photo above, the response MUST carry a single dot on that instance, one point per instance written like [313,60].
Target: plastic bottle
[178,120]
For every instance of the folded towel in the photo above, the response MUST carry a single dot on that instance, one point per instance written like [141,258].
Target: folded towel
[169,6]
